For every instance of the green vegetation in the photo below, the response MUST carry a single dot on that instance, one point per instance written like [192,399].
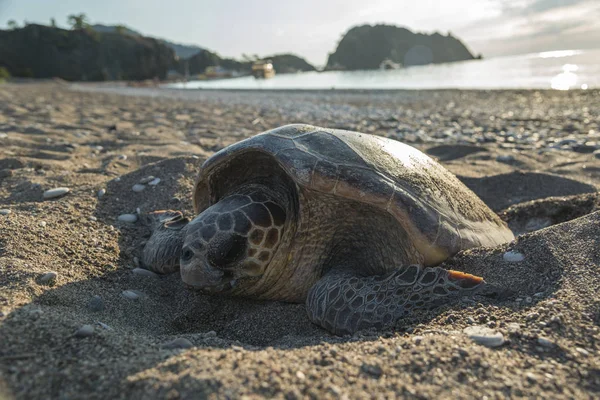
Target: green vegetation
[40,51]
[78,21]
[12,24]
[4,74]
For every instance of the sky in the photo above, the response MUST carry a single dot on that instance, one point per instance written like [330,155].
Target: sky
[312,28]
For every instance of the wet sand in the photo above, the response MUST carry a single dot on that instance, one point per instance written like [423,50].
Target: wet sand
[532,156]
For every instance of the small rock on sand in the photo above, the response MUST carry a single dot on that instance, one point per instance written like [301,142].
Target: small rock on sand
[513,256]
[138,188]
[154,182]
[130,294]
[131,218]
[147,179]
[101,192]
[96,304]
[49,278]
[485,336]
[56,192]
[85,331]
[545,342]
[179,343]
[144,272]
[4,211]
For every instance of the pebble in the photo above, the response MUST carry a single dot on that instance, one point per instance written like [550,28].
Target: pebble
[43,224]
[138,188]
[485,336]
[123,157]
[154,182]
[49,278]
[147,179]
[103,325]
[131,218]
[130,294]
[4,211]
[85,331]
[582,351]
[101,192]
[56,192]
[513,256]
[144,272]
[96,304]
[506,158]
[179,343]
[545,342]
[597,154]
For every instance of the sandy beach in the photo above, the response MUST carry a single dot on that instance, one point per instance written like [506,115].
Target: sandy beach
[79,320]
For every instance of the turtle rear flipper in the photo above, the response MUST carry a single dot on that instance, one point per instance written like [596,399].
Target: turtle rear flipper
[344,303]
[162,251]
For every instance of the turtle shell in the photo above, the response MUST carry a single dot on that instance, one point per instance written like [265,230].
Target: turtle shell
[440,214]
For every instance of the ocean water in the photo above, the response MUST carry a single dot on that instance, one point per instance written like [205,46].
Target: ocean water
[560,70]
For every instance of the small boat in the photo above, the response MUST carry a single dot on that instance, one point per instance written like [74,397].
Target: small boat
[389,64]
[263,69]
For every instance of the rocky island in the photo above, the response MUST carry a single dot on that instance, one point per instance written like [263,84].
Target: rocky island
[366,47]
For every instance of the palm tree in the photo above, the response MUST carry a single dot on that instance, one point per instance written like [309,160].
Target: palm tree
[78,21]
[12,24]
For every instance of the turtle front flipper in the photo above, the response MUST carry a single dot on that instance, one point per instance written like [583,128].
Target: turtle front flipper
[162,251]
[344,303]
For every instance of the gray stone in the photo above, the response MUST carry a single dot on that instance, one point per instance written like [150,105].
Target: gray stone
[96,304]
[130,294]
[130,218]
[101,193]
[144,272]
[49,278]
[56,192]
[147,179]
[513,256]
[545,342]
[485,336]
[138,188]
[154,182]
[4,211]
[85,331]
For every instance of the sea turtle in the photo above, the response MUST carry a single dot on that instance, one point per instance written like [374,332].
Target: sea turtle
[350,223]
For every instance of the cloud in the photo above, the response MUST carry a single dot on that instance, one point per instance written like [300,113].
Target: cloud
[538,25]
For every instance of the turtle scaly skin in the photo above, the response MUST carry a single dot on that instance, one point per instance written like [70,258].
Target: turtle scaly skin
[351,224]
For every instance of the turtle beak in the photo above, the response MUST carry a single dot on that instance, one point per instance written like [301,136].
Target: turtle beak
[198,274]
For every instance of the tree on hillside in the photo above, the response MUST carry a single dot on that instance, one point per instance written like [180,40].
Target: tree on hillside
[53,22]
[12,24]
[78,21]
[121,29]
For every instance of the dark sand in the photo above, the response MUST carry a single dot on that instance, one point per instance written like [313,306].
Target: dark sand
[527,154]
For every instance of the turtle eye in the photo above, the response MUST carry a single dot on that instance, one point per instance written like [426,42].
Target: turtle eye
[187,254]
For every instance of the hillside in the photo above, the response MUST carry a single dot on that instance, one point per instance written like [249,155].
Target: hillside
[366,46]
[283,63]
[182,51]
[40,51]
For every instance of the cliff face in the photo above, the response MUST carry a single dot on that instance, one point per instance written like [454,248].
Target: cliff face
[366,46]
[44,52]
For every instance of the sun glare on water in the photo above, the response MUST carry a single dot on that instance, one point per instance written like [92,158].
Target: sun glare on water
[567,79]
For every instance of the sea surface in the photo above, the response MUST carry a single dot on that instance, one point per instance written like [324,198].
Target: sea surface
[561,70]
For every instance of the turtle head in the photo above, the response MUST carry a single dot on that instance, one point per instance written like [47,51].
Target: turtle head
[231,242]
